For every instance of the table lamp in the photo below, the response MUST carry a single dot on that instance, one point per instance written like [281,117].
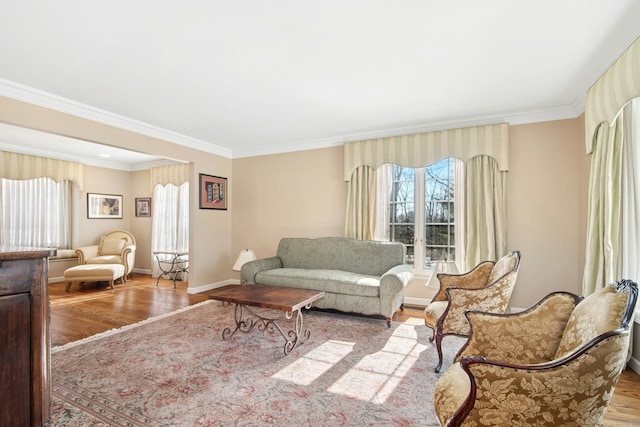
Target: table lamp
[444,266]
[245,256]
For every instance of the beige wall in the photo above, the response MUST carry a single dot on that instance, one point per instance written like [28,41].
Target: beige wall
[210,231]
[303,194]
[545,207]
[141,226]
[299,194]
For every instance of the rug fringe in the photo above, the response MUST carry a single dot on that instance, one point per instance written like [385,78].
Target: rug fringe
[125,327]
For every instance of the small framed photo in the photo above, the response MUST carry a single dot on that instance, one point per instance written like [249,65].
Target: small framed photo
[213,192]
[104,206]
[143,206]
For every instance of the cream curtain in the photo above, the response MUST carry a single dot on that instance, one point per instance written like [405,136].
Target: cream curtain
[361,204]
[604,133]
[23,166]
[603,216]
[486,213]
[174,174]
[424,149]
[382,211]
[629,266]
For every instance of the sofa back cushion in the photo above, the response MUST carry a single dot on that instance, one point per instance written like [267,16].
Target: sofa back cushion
[340,253]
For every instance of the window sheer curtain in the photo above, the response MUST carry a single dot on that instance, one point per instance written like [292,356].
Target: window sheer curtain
[170,226]
[36,212]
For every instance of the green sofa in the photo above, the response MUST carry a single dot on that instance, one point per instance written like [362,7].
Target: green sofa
[358,276]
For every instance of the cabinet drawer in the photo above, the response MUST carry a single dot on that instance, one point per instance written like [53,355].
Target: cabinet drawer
[19,275]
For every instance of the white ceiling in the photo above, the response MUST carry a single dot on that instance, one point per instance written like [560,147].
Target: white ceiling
[252,77]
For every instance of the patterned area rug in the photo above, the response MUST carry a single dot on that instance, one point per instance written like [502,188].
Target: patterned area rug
[175,370]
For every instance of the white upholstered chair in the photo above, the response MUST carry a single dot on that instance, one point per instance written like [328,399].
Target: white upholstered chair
[115,247]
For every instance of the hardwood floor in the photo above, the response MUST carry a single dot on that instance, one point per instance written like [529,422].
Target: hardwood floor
[86,311]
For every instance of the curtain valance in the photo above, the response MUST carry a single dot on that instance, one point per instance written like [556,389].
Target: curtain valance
[174,174]
[25,166]
[424,149]
[617,86]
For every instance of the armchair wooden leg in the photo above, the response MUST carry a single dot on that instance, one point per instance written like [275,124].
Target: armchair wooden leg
[439,349]
[388,322]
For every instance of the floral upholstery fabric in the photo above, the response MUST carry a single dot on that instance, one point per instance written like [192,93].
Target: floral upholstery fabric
[473,291]
[492,299]
[474,279]
[589,319]
[528,337]
[575,394]
[542,367]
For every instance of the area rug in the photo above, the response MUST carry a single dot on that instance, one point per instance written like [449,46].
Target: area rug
[175,370]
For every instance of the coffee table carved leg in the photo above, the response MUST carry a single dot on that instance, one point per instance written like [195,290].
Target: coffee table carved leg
[293,337]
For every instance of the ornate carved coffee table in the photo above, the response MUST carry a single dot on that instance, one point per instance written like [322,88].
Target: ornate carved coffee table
[289,300]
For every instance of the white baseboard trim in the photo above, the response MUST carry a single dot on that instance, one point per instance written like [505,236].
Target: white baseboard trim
[634,364]
[210,286]
[142,271]
[421,302]
[56,279]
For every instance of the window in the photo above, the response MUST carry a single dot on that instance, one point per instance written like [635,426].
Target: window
[429,232]
[36,213]
[170,220]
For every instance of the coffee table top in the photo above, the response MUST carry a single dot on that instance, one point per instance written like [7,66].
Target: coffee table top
[275,297]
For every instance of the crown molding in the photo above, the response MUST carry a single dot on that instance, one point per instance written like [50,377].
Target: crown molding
[48,100]
[85,160]
[561,113]
[54,102]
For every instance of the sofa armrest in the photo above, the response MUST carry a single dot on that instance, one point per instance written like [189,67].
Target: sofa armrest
[86,252]
[395,280]
[251,268]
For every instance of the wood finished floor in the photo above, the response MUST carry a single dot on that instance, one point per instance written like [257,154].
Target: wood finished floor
[92,309]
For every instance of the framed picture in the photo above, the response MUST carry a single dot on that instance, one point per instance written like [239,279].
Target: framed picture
[143,206]
[213,192]
[104,206]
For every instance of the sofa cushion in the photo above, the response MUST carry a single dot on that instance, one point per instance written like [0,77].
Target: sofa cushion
[333,281]
[338,253]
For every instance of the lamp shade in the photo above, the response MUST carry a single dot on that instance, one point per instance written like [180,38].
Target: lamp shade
[245,256]
[448,267]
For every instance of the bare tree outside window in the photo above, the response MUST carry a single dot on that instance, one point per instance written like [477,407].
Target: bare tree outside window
[431,233]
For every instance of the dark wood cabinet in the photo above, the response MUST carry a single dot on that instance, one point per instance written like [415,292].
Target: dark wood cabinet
[25,355]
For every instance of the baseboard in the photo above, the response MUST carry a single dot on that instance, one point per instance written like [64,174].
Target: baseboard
[420,302]
[634,364]
[208,287]
[141,271]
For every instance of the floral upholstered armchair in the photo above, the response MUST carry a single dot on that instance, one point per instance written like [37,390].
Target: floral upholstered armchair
[116,247]
[554,364]
[488,287]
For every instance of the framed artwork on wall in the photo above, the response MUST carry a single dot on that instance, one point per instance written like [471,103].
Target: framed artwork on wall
[104,206]
[143,206]
[213,192]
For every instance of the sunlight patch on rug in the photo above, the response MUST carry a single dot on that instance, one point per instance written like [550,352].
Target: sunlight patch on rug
[311,366]
[376,376]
